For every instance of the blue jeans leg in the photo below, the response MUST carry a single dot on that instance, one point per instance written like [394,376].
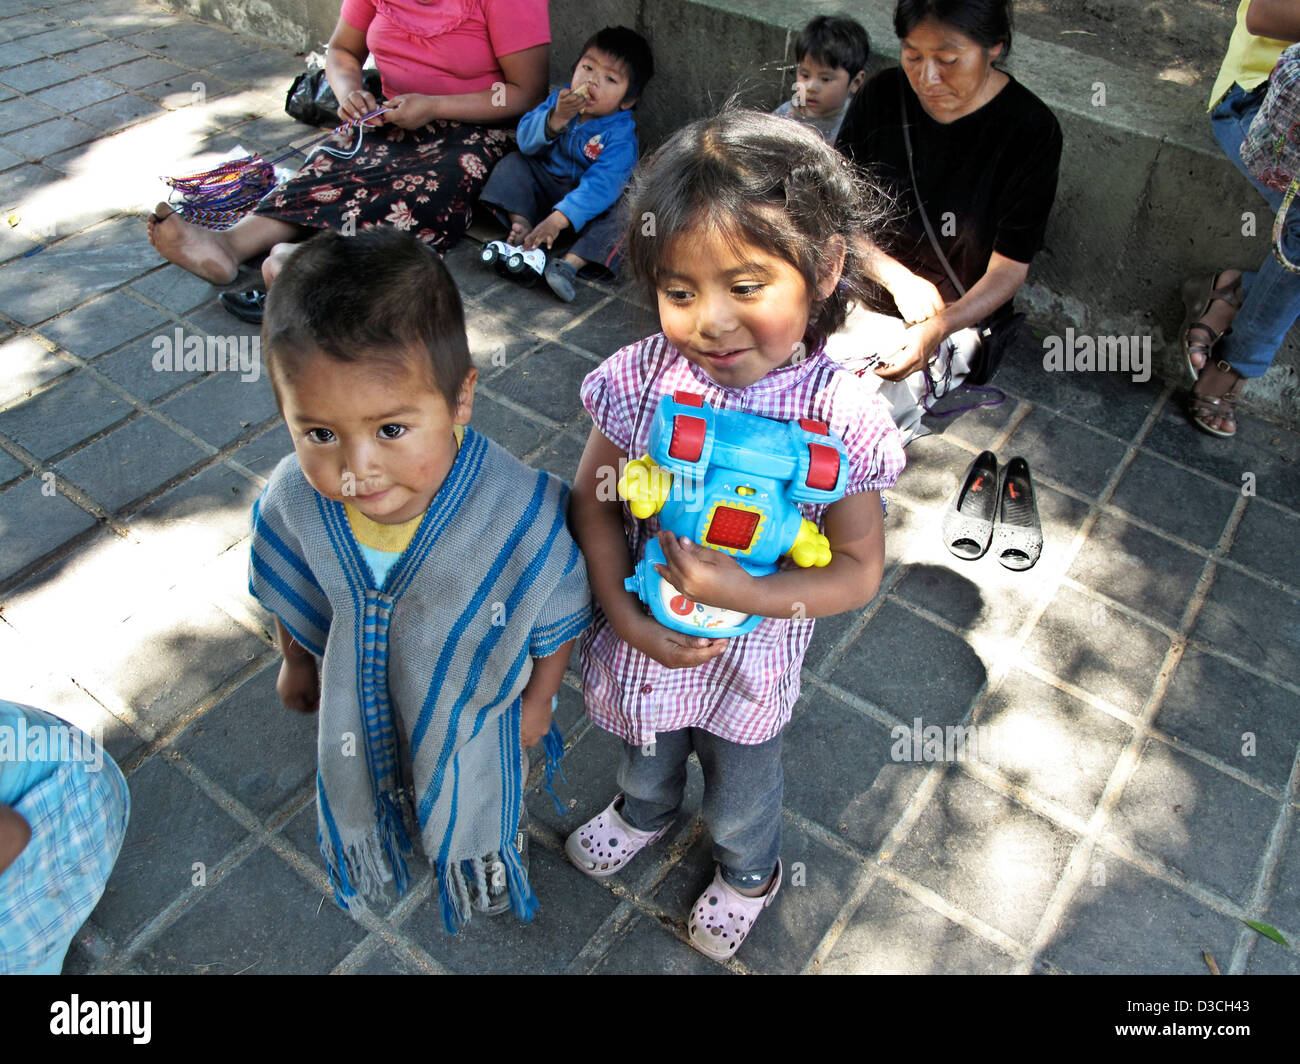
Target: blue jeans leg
[1271,302]
[743,787]
[653,779]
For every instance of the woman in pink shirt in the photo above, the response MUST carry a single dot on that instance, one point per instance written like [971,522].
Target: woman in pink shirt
[457,75]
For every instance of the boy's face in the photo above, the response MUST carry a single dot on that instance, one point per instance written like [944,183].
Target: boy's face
[606,79]
[380,441]
[822,90]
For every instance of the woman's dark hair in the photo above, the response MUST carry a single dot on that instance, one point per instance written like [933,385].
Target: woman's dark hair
[835,41]
[986,22]
[629,48]
[380,297]
[760,180]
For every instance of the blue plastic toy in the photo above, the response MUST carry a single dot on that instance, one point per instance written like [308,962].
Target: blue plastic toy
[729,481]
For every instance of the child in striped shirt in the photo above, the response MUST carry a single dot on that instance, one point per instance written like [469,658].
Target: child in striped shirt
[425,587]
[748,230]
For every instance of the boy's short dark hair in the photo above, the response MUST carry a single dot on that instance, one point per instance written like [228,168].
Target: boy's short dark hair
[630,48]
[835,41]
[380,297]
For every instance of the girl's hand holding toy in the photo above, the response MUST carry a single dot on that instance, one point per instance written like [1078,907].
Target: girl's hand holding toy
[703,574]
[673,650]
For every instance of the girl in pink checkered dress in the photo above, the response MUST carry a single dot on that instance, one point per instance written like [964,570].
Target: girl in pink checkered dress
[750,233]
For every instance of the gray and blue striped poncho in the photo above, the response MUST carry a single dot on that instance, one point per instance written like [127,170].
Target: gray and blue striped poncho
[421,678]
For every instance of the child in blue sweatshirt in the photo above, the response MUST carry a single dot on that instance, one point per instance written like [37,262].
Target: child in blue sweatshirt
[576,152]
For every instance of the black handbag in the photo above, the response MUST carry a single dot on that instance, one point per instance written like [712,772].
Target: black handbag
[997,334]
[310,98]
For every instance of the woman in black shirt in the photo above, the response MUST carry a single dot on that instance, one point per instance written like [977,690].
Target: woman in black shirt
[985,154]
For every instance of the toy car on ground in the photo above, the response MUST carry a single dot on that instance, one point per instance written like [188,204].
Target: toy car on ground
[514,260]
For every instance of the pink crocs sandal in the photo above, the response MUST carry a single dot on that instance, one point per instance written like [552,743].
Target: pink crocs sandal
[722,916]
[606,842]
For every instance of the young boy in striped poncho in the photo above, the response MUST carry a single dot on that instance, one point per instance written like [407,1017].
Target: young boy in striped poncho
[425,587]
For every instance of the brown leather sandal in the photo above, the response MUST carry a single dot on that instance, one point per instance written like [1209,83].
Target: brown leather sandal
[1204,407]
[1197,297]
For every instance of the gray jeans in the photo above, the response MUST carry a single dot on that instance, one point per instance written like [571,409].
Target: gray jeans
[742,796]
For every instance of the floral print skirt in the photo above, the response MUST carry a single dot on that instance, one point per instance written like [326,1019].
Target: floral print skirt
[424,181]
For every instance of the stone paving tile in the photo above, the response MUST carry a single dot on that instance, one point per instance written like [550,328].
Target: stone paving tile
[36,142]
[39,75]
[1261,448]
[570,907]
[515,433]
[102,324]
[33,523]
[138,73]
[980,428]
[20,114]
[1138,569]
[170,655]
[71,271]
[538,306]
[129,463]
[100,56]
[76,94]
[261,753]
[560,457]
[197,520]
[933,473]
[10,468]
[472,277]
[1284,906]
[894,934]
[1100,650]
[41,424]
[911,668]
[1271,959]
[174,289]
[1064,452]
[1173,808]
[26,364]
[547,381]
[194,43]
[118,112]
[1175,500]
[223,407]
[648,947]
[989,856]
[1049,743]
[132,368]
[1123,920]
[859,790]
[1245,721]
[172,825]
[263,454]
[1110,402]
[1245,617]
[811,896]
[611,327]
[64,39]
[996,606]
[589,768]
[1262,528]
[18,52]
[494,343]
[261,918]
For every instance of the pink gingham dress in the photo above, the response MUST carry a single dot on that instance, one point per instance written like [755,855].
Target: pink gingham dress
[745,695]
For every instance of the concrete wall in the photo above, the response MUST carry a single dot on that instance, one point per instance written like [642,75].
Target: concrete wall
[1146,197]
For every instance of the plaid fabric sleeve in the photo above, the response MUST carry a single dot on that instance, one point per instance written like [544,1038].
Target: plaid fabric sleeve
[609,392]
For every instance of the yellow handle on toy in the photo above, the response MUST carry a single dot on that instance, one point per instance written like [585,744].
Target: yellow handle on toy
[645,486]
[810,547]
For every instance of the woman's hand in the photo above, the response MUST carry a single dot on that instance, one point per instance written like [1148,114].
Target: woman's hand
[915,297]
[357,104]
[411,110]
[922,341]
